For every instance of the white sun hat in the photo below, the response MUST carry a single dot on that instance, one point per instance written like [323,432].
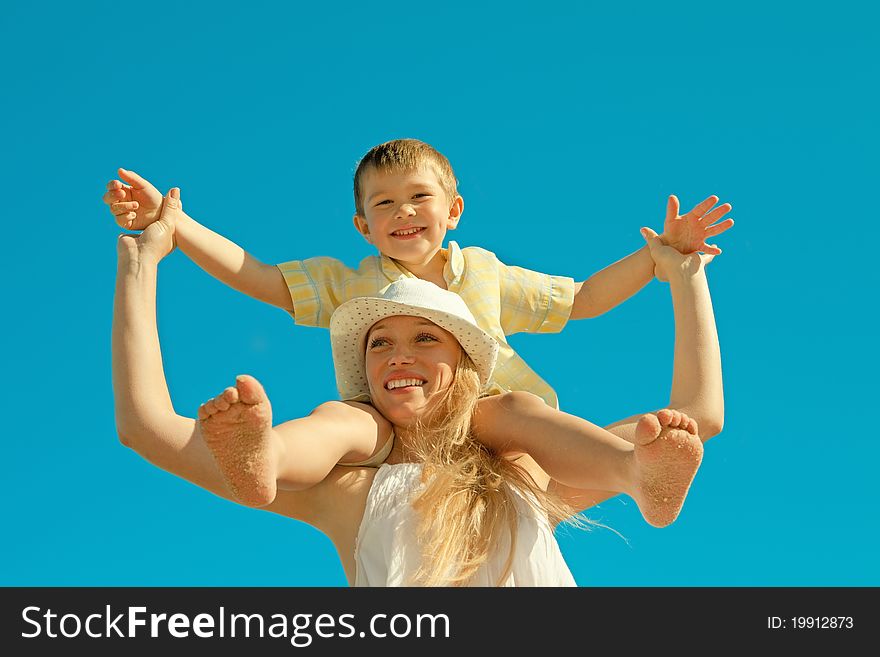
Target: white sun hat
[352,321]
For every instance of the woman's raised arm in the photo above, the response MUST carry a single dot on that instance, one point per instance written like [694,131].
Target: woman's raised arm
[697,388]
[145,417]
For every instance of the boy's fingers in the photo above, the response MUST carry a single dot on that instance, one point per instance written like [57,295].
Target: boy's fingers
[123,208]
[717,213]
[703,207]
[116,186]
[115,195]
[126,220]
[719,228]
[652,238]
[672,207]
[135,180]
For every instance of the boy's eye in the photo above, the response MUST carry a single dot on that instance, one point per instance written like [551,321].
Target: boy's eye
[385,202]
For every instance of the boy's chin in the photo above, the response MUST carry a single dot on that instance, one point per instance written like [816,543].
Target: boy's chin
[416,254]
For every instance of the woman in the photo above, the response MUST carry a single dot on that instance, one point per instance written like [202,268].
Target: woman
[483,518]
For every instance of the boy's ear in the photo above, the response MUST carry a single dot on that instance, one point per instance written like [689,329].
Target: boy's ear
[362,227]
[455,213]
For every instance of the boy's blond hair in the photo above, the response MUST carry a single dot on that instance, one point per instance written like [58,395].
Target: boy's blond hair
[404,155]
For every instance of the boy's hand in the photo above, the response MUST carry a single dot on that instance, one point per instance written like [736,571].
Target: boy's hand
[668,259]
[135,205]
[688,233]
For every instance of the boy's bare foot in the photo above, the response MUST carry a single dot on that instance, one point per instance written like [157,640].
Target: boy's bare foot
[668,452]
[237,427]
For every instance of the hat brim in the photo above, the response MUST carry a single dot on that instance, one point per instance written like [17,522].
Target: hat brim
[352,321]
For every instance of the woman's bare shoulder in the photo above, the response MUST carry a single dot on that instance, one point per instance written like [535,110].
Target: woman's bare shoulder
[334,505]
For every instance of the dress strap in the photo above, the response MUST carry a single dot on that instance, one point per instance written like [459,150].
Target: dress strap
[376,459]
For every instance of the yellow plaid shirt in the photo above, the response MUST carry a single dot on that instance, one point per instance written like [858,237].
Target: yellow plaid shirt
[503,299]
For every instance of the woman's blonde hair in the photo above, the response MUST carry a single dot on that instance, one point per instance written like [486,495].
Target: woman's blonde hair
[470,494]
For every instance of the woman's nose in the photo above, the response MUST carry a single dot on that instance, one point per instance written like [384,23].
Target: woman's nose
[400,357]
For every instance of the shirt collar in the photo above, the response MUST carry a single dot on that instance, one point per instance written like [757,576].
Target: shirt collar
[454,263]
[391,269]
[452,270]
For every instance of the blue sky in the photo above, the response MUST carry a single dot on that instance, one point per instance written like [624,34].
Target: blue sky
[568,124]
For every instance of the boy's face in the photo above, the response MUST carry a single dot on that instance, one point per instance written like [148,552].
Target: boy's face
[407,214]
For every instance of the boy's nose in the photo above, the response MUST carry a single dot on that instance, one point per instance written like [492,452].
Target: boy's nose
[406,210]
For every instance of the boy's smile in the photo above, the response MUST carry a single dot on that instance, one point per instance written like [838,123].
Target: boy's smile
[407,216]
[407,233]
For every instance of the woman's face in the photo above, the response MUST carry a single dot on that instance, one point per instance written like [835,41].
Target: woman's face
[408,359]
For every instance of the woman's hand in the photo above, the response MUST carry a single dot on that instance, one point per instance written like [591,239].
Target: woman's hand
[669,260]
[156,240]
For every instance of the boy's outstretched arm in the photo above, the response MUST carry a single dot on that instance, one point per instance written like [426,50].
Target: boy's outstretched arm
[138,203]
[618,282]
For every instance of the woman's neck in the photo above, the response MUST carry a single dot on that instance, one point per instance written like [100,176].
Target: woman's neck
[401,452]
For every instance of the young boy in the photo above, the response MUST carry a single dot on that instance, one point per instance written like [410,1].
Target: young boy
[406,199]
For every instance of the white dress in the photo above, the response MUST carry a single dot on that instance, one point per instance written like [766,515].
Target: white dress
[386,552]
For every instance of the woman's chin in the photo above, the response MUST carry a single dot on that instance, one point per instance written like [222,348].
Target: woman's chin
[404,409]
[403,418]
[404,415]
